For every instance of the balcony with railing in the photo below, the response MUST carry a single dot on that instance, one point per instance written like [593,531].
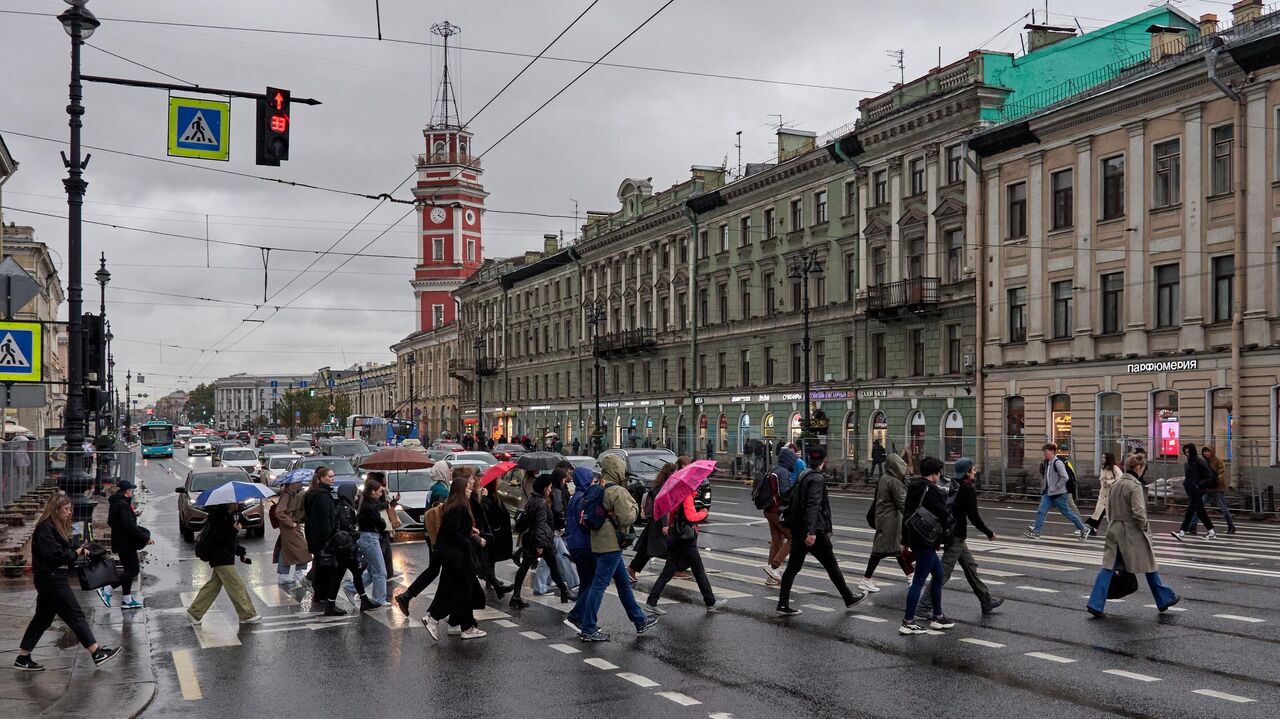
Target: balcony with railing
[460,369]
[917,294]
[449,157]
[626,342]
[487,366]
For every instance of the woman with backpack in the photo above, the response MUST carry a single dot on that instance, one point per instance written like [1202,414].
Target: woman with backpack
[291,552]
[459,593]
[891,492]
[538,542]
[680,531]
[650,543]
[924,529]
[218,545]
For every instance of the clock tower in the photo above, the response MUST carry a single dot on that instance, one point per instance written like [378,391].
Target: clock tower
[451,198]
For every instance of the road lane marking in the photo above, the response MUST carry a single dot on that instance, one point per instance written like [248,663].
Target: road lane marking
[599,663]
[869,618]
[1131,675]
[1170,609]
[983,643]
[1038,589]
[273,596]
[532,635]
[187,680]
[721,715]
[641,681]
[720,592]
[1050,657]
[683,700]
[506,623]
[1223,695]
[818,607]
[1238,618]
[565,649]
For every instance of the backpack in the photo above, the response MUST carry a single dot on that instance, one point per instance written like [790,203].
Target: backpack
[203,550]
[593,514]
[786,496]
[431,522]
[522,522]
[951,489]
[646,504]
[439,492]
[1071,476]
[871,514]
[762,492]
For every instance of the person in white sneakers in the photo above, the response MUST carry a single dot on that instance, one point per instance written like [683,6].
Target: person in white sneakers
[891,492]
[127,537]
[1197,479]
[292,554]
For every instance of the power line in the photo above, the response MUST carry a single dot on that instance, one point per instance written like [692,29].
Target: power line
[135,62]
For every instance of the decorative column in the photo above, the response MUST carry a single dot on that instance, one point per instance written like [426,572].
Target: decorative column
[996,309]
[863,193]
[1087,277]
[1037,285]
[1192,334]
[931,204]
[1135,336]
[1258,253]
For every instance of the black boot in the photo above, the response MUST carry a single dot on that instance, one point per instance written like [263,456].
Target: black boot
[366,603]
[501,590]
[567,596]
[518,603]
[331,609]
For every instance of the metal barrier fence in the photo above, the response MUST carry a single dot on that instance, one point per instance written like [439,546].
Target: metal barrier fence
[25,465]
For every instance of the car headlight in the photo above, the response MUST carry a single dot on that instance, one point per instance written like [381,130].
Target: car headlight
[252,502]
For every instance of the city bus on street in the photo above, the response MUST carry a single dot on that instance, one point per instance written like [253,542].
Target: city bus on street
[156,437]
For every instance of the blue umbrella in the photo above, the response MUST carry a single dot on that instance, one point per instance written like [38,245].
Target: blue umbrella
[233,493]
[296,476]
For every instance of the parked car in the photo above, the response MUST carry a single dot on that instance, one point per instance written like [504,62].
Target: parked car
[343,471]
[272,467]
[199,445]
[643,466]
[508,452]
[302,447]
[345,448]
[241,458]
[517,483]
[482,457]
[449,445]
[585,461]
[191,519]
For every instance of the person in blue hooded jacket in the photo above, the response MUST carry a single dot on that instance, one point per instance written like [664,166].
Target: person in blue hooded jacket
[578,539]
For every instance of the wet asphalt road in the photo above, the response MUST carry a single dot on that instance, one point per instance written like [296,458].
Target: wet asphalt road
[1041,654]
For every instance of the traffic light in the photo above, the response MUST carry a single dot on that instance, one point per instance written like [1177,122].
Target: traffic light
[274,122]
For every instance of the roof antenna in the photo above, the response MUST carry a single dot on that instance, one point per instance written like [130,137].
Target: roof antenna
[898,56]
[739,153]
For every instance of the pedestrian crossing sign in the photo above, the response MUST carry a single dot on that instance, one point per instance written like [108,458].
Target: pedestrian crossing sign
[20,352]
[199,128]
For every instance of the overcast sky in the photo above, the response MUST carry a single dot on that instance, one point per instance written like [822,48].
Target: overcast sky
[614,123]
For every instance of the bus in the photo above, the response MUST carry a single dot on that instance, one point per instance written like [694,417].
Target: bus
[157,439]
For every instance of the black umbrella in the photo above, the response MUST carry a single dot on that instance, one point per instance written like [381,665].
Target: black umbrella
[537,462]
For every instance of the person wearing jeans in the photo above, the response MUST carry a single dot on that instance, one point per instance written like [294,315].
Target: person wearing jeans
[965,512]
[578,540]
[370,521]
[1053,493]
[1128,541]
[1197,480]
[923,495]
[1216,496]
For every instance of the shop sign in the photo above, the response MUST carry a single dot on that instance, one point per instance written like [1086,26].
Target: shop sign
[793,397]
[873,393]
[539,407]
[830,394]
[652,402]
[740,399]
[1166,366]
[763,398]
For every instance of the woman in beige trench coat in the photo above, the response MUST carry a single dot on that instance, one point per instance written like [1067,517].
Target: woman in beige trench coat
[291,553]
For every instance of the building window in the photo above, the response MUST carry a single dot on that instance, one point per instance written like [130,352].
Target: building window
[1223,137]
[819,296]
[704,309]
[1062,292]
[1224,273]
[744,297]
[916,168]
[1221,421]
[1167,305]
[955,164]
[768,365]
[879,368]
[879,265]
[744,231]
[1112,302]
[917,429]
[470,251]
[1016,207]
[954,358]
[880,185]
[1060,422]
[850,277]
[1113,187]
[722,301]
[722,370]
[770,227]
[1166,425]
[850,197]
[770,294]
[820,360]
[682,310]
[1017,303]
[797,215]
[437,315]
[744,366]
[437,249]
[684,250]
[952,436]
[819,207]
[1168,172]
[1062,184]
[724,238]
[681,372]
[915,342]
[915,258]
[848,357]
[1015,422]
[1110,426]
[797,295]
[704,247]
[953,241]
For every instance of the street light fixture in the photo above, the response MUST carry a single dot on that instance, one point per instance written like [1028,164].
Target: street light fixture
[411,360]
[595,316]
[479,345]
[800,268]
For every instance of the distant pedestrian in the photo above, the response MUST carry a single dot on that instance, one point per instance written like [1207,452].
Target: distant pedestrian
[1128,544]
[459,593]
[620,510]
[964,512]
[779,483]
[891,495]
[127,537]
[1107,477]
[651,542]
[878,456]
[538,542]
[218,545]
[578,540]
[809,518]
[924,528]
[576,446]
[1217,495]
[1198,478]
[52,554]
[711,449]
[291,551]
[680,530]
[1053,493]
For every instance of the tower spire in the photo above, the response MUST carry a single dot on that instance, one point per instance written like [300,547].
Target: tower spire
[445,112]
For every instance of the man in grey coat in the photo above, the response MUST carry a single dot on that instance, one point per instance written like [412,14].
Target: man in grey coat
[1053,492]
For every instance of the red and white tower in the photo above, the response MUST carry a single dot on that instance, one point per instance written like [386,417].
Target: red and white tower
[452,201]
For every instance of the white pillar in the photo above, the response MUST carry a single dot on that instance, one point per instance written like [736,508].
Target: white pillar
[997,310]
[1258,253]
[1038,291]
[896,270]
[931,204]
[1192,334]
[1087,276]
[1135,208]
[863,260]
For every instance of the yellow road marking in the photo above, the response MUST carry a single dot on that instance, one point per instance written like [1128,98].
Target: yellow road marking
[186,675]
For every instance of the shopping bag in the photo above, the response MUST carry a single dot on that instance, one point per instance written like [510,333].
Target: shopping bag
[97,572]
[568,572]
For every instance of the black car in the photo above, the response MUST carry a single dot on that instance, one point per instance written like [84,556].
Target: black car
[643,466]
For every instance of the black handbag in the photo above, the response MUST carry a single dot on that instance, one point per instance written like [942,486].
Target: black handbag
[97,572]
[1123,583]
[925,525]
[326,560]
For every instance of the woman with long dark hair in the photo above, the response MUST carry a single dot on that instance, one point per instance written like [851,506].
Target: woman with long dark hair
[538,542]
[52,554]
[483,562]
[1107,477]
[459,593]
[651,542]
[497,548]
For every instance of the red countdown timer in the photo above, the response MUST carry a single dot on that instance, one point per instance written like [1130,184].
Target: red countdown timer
[273,127]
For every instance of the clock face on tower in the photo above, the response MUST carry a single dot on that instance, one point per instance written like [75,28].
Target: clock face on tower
[471,217]
[437,215]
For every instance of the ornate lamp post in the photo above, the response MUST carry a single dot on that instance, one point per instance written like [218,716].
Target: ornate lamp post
[799,269]
[596,316]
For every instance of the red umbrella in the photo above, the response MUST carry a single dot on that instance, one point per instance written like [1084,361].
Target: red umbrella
[491,474]
[396,459]
[682,483]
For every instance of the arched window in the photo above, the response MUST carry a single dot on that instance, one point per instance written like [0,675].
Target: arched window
[744,431]
[1220,421]
[1015,422]
[879,431]
[917,429]
[850,432]
[766,426]
[796,426]
[438,150]
[1165,424]
[1110,426]
[952,436]
[722,436]
[1060,422]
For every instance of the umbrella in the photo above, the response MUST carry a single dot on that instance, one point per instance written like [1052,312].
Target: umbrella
[536,462]
[233,493]
[682,483]
[491,474]
[395,459]
[296,476]
[11,427]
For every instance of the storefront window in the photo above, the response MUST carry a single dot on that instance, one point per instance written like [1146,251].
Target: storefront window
[702,434]
[766,426]
[744,431]
[722,438]
[1109,426]
[1060,422]
[917,428]
[617,431]
[880,430]
[1221,422]
[1165,424]
[1014,430]
[850,438]
[796,424]
[952,436]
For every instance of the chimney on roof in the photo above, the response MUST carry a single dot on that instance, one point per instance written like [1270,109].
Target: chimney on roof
[1166,40]
[1246,11]
[1208,24]
[1039,36]
[706,178]
[793,143]
[550,244]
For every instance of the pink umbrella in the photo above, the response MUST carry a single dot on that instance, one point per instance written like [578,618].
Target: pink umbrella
[680,485]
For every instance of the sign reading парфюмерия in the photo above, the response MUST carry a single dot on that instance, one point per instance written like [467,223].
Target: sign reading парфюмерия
[1166,366]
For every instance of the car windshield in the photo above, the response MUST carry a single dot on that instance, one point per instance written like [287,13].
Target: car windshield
[648,464]
[337,464]
[415,480]
[199,439]
[234,455]
[209,480]
[299,445]
[277,449]
[156,436]
[347,448]
[280,462]
[484,457]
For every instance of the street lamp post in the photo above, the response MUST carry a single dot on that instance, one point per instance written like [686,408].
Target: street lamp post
[799,269]
[103,394]
[79,24]
[595,316]
[128,416]
[411,361]
[479,345]
[112,419]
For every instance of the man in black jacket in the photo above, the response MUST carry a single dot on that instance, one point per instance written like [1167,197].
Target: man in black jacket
[1197,479]
[219,547]
[321,507]
[809,517]
[964,511]
[126,539]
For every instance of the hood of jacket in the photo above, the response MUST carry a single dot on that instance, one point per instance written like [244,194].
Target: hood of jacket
[787,459]
[896,466]
[118,497]
[347,492]
[440,472]
[582,479]
[1213,452]
[614,470]
[1189,450]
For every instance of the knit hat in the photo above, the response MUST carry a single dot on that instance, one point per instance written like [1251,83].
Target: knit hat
[963,465]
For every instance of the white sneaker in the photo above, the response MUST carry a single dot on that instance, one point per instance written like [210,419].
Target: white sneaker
[1178,535]
[1211,535]
[252,620]
[772,573]
[286,578]
[867,585]
[474,633]
[432,627]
